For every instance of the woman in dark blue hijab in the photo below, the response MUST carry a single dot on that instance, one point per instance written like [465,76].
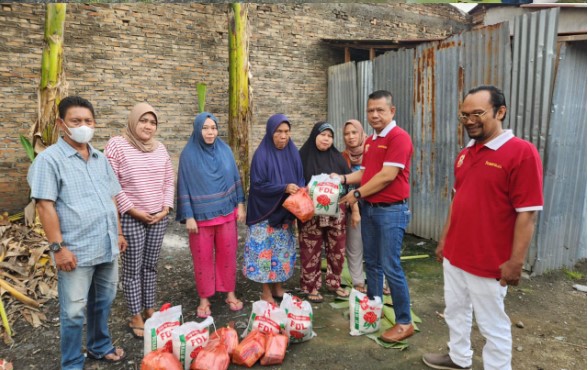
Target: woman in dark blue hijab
[210,201]
[276,172]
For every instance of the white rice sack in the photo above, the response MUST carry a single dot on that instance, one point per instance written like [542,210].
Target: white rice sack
[364,314]
[189,339]
[158,329]
[325,192]
[299,319]
[267,318]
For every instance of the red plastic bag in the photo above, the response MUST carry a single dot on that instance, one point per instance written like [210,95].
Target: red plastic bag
[161,359]
[300,204]
[229,337]
[275,349]
[250,349]
[213,356]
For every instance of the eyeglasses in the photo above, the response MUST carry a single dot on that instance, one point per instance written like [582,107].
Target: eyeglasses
[464,117]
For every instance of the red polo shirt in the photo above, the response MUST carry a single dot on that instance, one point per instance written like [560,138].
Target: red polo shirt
[492,183]
[392,147]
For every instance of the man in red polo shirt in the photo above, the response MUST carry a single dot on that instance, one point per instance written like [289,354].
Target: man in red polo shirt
[383,195]
[491,220]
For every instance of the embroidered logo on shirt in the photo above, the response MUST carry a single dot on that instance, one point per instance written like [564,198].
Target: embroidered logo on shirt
[460,161]
[492,164]
[367,147]
[382,147]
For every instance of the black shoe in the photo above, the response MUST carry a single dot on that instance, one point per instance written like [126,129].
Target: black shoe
[437,361]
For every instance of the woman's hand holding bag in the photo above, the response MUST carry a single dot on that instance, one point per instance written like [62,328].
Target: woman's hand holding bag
[300,204]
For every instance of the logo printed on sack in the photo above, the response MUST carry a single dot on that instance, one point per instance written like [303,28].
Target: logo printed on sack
[266,325]
[371,320]
[324,193]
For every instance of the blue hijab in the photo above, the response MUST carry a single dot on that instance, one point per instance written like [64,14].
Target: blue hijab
[272,169]
[209,184]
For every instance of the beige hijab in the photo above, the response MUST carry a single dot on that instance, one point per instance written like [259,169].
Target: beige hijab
[130,132]
[355,155]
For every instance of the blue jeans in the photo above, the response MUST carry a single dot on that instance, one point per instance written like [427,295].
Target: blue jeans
[382,230]
[92,288]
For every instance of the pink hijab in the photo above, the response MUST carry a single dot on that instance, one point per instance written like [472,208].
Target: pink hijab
[355,154]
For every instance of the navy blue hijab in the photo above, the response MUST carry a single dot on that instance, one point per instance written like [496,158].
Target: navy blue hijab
[209,183]
[272,169]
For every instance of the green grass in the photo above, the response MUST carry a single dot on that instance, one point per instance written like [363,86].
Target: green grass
[573,275]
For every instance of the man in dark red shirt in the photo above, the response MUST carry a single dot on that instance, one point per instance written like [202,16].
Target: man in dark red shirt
[383,194]
[491,220]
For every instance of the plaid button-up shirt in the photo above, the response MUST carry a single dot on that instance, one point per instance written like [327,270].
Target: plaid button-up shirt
[82,192]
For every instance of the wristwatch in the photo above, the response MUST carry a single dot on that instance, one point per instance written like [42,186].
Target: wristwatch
[357,194]
[55,247]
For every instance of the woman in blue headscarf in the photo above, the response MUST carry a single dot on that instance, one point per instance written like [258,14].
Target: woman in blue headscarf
[276,172]
[210,200]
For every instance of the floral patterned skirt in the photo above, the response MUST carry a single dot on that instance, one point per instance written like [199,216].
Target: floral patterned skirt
[270,253]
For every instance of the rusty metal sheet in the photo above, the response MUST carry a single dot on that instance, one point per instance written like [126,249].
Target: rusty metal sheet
[343,98]
[560,239]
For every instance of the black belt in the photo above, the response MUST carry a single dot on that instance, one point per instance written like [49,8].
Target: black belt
[382,204]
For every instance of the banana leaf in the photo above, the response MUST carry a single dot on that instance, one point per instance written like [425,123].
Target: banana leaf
[201,90]
[28,147]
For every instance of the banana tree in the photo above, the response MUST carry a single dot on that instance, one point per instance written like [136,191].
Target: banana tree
[53,85]
[239,111]
[51,89]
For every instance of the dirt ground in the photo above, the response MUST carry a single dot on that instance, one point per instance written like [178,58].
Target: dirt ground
[552,313]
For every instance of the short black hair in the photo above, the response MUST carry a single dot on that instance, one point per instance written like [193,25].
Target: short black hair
[379,94]
[497,98]
[74,101]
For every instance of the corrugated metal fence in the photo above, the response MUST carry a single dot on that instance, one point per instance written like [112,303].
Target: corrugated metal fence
[561,232]
[427,84]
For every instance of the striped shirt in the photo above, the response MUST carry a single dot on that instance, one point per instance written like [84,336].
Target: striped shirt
[82,191]
[146,178]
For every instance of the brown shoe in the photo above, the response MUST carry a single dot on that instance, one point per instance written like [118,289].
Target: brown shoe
[397,333]
[437,361]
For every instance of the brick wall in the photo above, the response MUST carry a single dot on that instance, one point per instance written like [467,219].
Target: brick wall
[118,55]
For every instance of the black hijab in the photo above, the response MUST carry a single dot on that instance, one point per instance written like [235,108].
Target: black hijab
[315,162]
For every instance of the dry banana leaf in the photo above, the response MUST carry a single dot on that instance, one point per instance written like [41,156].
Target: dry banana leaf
[17,294]
[27,273]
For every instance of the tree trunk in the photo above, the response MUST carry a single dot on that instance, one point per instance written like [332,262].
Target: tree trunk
[239,111]
[53,85]
[51,89]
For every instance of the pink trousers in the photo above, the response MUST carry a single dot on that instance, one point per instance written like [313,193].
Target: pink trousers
[214,254]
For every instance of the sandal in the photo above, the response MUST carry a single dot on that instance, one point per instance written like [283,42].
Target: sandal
[234,305]
[133,329]
[361,288]
[280,297]
[341,293]
[315,298]
[268,300]
[203,311]
[118,354]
